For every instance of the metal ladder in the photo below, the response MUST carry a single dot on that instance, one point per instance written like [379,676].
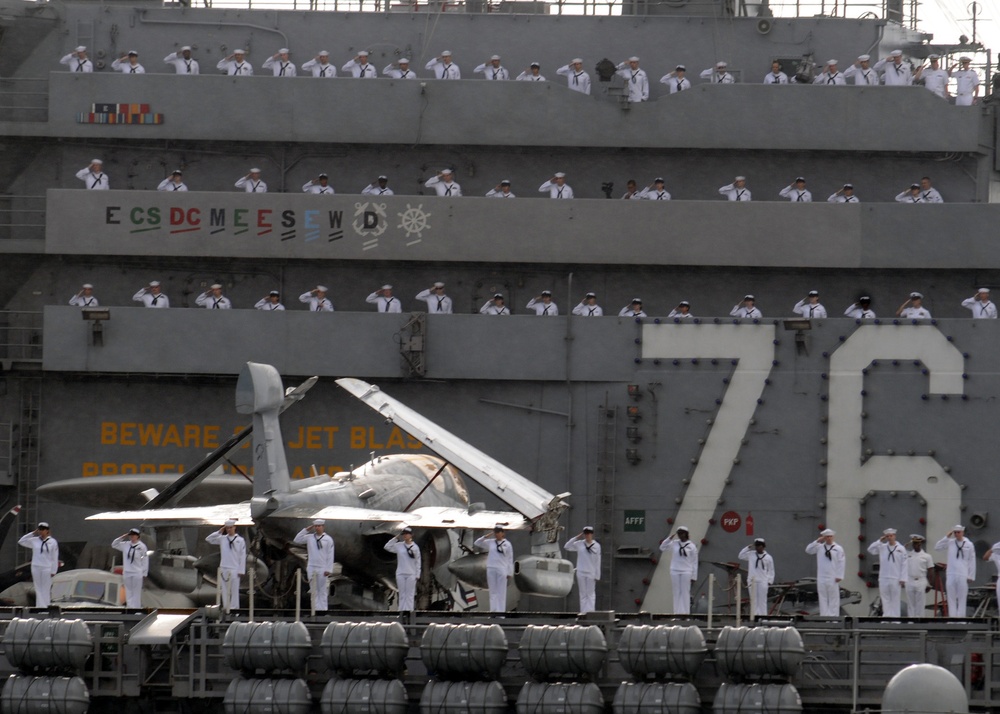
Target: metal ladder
[607,449]
[26,466]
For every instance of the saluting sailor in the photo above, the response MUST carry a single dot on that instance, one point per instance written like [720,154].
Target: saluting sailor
[676,80]
[384,300]
[85,298]
[494,71]
[683,568]
[683,311]
[499,566]
[864,75]
[588,566]
[831,76]
[378,187]
[152,296]
[280,65]
[135,565]
[760,575]
[980,304]
[443,184]
[320,185]
[128,64]
[895,73]
[918,563]
[532,74]
[232,564]
[319,568]
[407,567]
[588,307]
[251,183]
[576,78]
[437,302]
[94,177]
[270,302]
[633,309]
[543,305]
[655,191]
[737,190]
[213,299]
[892,571]
[44,561]
[183,62]
[961,568]
[993,555]
[747,309]
[556,187]
[77,61]
[399,69]
[359,67]
[495,306]
[809,307]
[719,74]
[235,65]
[173,182]
[830,563]
[443,67]
[501,190]
[635,79]
[796,191]
[913,308]
[845,194]
[317,300]
[320,66]
[861,310]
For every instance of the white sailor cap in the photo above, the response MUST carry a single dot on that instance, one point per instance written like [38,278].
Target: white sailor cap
[81,48]
[864,298]
[633,58]
[362,53]
[498,527]
[321,288]
[964,58]
[275,293]
[814,293]
[284,51]
[154,283]
[560,174]
[176,172]
[535,64]
[324,53]
[319,522]
[387,287]
[638,301]
[740,178]
[959,527]
[88,286]
[683,303]
[980,290]
[186,48]
[658,179]
[683,528]
[828,532]
[546,293]
[759,541]
[404,60]
[864,58]
[896,53]
[239,52]
[889,531]
[255,170]
[132,53]
[230,522]
[134,531]
[591,295]
[721,64]
[446,171]
[914,185]
[916,296]
[439,284]
[505,182]
[849,186]
[216,286]
[830,62]
[800,178]
[498,296]
[588,529]
[97,161]
[407,529]
[916,536]
[43,524]
[446,53]
[749,297]
[933,57]
[383,177]
[577,60]
[680,68]
[324,175]
[494,57]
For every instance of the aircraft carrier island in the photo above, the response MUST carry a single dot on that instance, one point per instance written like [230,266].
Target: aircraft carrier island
[386,345]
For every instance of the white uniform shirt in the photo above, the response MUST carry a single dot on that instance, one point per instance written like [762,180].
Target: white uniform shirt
[917,565]
[321,550]
[931,195]
[577,81]
[494,74]
[407,556]
[585,310]
[636,81]
[315,303]
[841,198]
[588,559]
[134,560]
[267,305]
[830,561]
[966,81]
[310,187]
[543,309]
[358,70]
[750,313]
[397,73]
[529,77]
[627,311]
[376,190]
[654,195]
[683,315]
[908,197]
[318,69]
[76,64]
[436,304]
[232,550]
[863,77]
[499,553]
[808,310]
[126,67]
[168,185]
[491,308]
[894,75]
[84,301]
[760,567]
[94,182]
[443,188]
[795,195]
[555,190]
[148,299]
[676,84]
[775,78]
[891,561]
[442,70]
[735,194]
[251,186]
[859,313]
[961,556]
[44,553]
[213,303]
[830,78]
[722,77]
[385,304]
[980,310]
[493,193]
[280,68]
[181,65]
[915,313]
[935,80]
[684,556]
[235,69]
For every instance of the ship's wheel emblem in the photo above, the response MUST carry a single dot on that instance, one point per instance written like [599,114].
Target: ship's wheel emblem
[414,221]
[370,219]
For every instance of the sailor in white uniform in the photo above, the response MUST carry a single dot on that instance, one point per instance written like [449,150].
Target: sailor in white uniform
[980,304]
[861,310]
[845,194]
[809,307]
[588,566]
[588,307]
[737,190]
[378,187]
[718,74]
[532,74]
[911,195]
[93,176]
[501,190]
[437,302]
[934,78]
[317,300]
[633,309]
[135,565]
[44,561]
[407,567]
[152,296]
[635,79]
[320,548]
[864,74]
[928,193]
[760,575]
[128,64]
[319,185]
[443,67]
[280,65]
[676,81]
[399,69]
[499,566]
[235,65]
[576,78]
[444,184]
[892,571]
[232,562]
[830,563]
[683,568]
[360,68]
[556,187]
[655,191]
[966,83]
[213,299]
[796,192]
[961,568]
[493,70]
[682,311]
[85,298]
[993,555]
[918,563]
[895,72]
[173,182]
[319,66]
[831,76]
[251,183]
[775,76]
[77,61]
[182,61]
[543,305]
[384,300]
[495,306]
[270,303]
[913,308]
[747,309]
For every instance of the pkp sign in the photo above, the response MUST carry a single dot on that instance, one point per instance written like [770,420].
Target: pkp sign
[731,521]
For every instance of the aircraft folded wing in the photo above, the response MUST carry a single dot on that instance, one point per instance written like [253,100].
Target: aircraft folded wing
[511,487]
[342,513]
[189,516]
[445,517]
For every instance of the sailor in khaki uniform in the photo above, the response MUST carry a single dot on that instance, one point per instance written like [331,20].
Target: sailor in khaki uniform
[213,299]
[737,190]
[232,563]
[437,302]
[495,306]
[182,61]
[444,184]
[407,567]
[683,568]
[760,575]
[576,78]
[235,65]
[280,65]
[85,298]
[270,303]
[588,307]
[635,78]
[588,566]
[966,83]
[864,74]
[443,67]
[918,563]
[44,561]
[493,70]
[128,64]
[173,182]
[77,61]
[543,305]
[892,571]
[809,307]
[360,68]
[384,300]
[135,565]
[747,309]
[317,300]
[152,296]
[399,69]
[830,563]
[961,568]
[556,187]
[320,549]
[378,187]
[251,183]
[319,185]
[499,566]
[93,176]
[319,66]
[980,304]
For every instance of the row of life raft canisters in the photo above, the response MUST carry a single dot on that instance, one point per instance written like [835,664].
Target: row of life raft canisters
[49,656]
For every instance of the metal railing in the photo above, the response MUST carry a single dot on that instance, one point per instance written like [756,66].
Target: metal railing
[22,216]
[24,99]
[20,336]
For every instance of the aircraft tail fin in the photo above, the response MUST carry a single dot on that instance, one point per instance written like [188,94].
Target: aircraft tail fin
[259,392]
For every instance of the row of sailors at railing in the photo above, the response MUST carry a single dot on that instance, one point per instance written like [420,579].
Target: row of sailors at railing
[439,303]
[444,185]
[891,71]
